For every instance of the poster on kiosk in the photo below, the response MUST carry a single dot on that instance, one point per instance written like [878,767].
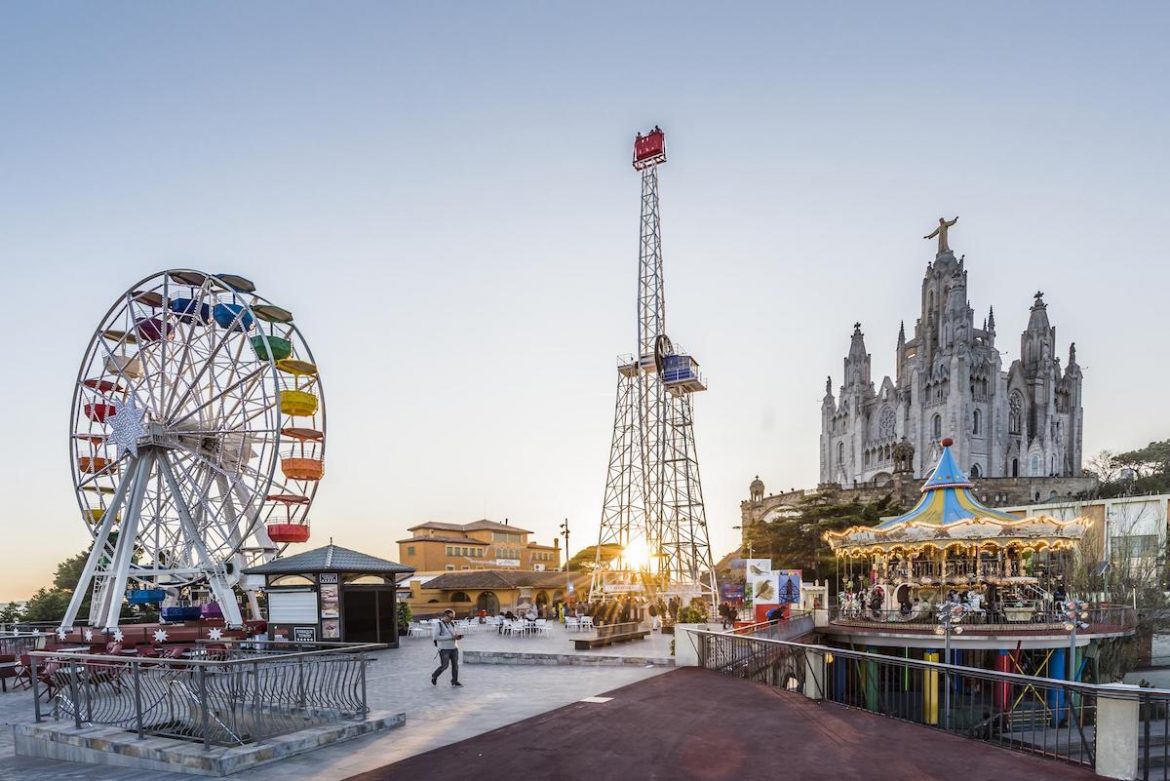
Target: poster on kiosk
[761,587]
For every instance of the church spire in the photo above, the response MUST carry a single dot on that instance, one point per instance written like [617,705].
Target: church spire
[902,332]
[991,319]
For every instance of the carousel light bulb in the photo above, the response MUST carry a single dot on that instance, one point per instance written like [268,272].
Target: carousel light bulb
[938,630]
[1068,627]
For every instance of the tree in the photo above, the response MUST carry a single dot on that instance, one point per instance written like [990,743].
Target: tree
[1141,471]
[585,560]
[10,613]
[797,541]
[47,605]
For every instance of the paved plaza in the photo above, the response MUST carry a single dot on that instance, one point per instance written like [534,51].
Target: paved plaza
[492,696]
[696,725]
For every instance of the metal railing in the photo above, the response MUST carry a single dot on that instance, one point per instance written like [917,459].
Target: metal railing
[16,644]
[1036,715]
[1101,618]
[222,694]
[798,623]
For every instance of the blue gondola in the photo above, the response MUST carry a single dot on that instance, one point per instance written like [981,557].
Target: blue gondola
[147,596]
[188,310]
[233,316]
[175,614]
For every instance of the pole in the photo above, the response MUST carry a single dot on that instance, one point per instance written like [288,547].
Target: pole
[947,676]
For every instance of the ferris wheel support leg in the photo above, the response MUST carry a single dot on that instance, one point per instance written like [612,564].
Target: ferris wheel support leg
[109,518]
[109,608]
[222,590]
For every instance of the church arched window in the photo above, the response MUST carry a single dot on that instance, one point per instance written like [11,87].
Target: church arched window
[840,454]
[936,427]
[1015,413]
[976,472]
[977,423]
[1035,465]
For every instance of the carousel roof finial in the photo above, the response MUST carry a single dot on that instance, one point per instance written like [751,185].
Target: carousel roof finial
[947,473]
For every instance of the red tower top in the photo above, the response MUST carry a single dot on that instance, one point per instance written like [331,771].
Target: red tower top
[650,149]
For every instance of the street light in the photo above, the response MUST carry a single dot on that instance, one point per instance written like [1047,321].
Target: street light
[949,616]
[568,575]
[1075,613]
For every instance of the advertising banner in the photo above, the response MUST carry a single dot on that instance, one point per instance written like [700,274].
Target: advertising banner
[788,587]
[731,592]
[761,582]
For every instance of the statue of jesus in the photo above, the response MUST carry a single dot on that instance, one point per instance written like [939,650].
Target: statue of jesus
[941,232]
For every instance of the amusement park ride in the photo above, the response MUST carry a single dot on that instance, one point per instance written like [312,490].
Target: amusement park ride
[653,509]
[197,441]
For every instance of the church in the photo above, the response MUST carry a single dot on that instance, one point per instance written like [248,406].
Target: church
[950,382]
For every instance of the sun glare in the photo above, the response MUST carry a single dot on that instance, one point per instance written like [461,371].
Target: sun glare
[637,554]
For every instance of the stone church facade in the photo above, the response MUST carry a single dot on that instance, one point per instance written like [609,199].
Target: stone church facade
[1022,422]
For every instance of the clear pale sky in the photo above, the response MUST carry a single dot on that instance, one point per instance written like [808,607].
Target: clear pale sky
[442,193]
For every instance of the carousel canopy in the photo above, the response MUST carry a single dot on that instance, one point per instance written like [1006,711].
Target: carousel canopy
[948,515]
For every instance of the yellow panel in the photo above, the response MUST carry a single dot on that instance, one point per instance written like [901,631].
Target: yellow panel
[297,403]
[293,366]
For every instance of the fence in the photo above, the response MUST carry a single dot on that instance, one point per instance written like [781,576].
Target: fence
[1044,716]
[225,694]
[999,617]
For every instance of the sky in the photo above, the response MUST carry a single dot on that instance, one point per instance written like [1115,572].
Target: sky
[442,193]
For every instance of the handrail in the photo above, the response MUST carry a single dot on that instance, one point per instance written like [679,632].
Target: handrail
[1111,690]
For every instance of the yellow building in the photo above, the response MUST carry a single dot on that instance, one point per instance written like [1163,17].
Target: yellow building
[480,545]
[493,591]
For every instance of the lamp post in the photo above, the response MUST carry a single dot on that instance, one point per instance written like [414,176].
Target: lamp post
[568,575]
[949,616]
[1075,613]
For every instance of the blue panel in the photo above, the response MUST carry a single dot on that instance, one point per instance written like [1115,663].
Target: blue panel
[226,314]
[189,311]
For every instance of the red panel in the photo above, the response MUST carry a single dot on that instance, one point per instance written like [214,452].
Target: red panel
[99,412]
[288,532]
[649,145]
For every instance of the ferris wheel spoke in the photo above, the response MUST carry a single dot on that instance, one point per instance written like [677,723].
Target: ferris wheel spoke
[261,405]
[147,377]
[221,519]
[208,362]
[191,413]
[195,308]
[190,529]
[128,382]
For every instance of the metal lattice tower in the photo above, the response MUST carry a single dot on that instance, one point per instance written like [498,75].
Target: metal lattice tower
[653,509]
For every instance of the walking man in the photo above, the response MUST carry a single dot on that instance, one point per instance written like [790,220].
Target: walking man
[446,639]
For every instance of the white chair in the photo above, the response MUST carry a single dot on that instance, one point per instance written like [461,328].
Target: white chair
[571,623]
[586,622]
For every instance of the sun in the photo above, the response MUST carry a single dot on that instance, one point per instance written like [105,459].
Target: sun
[637,554]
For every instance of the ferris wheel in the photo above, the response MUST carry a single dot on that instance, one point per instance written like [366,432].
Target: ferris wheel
[197,441]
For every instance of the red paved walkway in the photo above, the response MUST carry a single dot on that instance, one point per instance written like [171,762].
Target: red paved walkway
[692,724]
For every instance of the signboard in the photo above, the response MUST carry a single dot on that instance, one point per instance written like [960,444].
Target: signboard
[507,562]
[329,601]
[761,582]
[331,630]
[622,588]
[788,586]
[304,634]
[328,577]
[731,592]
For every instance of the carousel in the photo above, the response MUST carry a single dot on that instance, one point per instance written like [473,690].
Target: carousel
[951,548]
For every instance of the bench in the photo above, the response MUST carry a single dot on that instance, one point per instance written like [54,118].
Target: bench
[607,634]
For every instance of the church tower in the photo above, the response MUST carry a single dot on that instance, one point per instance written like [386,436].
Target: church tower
[949,381]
